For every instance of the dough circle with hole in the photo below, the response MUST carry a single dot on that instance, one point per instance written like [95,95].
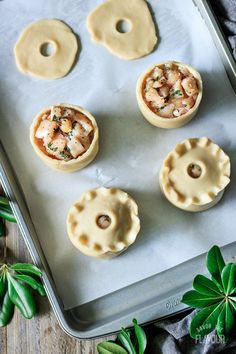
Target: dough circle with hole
[103,25]
[28,49]
[103,223]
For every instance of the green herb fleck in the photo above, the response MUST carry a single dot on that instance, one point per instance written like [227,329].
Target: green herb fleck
[55,118]
[176,93]
[52,148]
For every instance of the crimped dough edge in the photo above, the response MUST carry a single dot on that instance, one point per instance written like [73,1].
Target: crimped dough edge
[130,236]
[210,198]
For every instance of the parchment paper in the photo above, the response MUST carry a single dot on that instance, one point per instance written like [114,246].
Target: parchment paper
[131,150]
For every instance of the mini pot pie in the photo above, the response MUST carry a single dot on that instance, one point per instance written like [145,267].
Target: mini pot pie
[169,94]
[103,222]
[194,175]
[65,137]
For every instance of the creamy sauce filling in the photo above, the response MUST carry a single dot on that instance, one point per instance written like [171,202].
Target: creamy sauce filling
[170,90]
[64,133]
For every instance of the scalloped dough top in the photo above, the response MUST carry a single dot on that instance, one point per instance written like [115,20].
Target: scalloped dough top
[103,223]
[195,172]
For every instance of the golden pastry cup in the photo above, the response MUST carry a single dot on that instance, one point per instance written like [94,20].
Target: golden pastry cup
[74,164]
[154,118]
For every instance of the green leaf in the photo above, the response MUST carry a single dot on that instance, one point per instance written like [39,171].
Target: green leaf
[205,321]
[196,300]
[205,286]
[31,282]
[228,277]
[7,310]
[21,297]
[225,323]
[2,287]
[215,263]
[27,268]
[141,337]
[2,228]
[4,201]
[110,348]
[8,215]
[125,340]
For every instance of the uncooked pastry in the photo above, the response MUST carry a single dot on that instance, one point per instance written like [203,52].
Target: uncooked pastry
[28,49]
[194,175]
[103,24]
[169,94]
[103,222]
[65,137]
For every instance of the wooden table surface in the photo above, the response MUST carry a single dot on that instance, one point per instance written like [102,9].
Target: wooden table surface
[42,334]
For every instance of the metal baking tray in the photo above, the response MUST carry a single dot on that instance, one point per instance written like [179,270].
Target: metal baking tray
[148,300]
[219,38]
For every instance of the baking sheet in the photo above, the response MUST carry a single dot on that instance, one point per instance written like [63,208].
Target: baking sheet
[131,150]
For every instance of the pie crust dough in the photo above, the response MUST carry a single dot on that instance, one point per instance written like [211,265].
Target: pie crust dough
[139,41]
[29,59]
[152,117]
[213,174]
[92,240]
[61,165]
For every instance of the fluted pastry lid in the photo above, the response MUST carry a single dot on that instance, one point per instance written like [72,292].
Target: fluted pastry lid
[195,172]
[104,222]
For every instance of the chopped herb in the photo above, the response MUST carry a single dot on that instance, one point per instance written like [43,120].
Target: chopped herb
[52,148]
[176,93]
[62,154]
[185,105]
[161,108]
[67,149]
[55,118]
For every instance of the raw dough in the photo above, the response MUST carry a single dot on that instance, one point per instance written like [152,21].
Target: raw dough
[194,175]
[64,165]
[155,118]
[135,43]
[103,222]
[28,48]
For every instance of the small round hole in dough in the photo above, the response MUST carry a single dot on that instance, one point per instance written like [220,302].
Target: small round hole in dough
[103,221]
[123,26]
[47,49]
[194,170]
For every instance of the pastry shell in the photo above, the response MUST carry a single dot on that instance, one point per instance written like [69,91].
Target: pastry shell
[198,193]
[92,240]
[61,165]
[155,119]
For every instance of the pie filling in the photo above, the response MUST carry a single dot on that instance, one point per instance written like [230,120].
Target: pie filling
[64,133]
[170,90]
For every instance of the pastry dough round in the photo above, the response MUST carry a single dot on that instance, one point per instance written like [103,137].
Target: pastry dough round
[29,59]
[212,174]
[117,235]
[135,43]
[61,165]
[154,118]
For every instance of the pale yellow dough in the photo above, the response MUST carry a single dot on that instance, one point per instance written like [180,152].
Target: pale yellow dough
[158,121]
[139,41]
[195,193]
[61,165]
[29,59]
[85,232]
